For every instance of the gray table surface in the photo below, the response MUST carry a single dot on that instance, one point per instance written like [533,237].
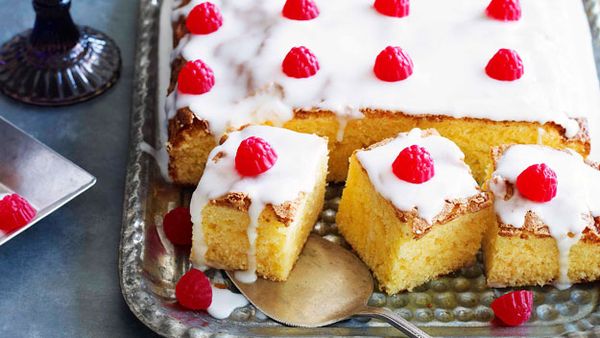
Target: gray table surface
[60,278]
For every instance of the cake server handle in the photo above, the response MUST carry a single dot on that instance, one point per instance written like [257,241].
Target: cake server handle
[408,328]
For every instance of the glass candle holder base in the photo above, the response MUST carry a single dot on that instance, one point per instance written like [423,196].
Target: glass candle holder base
[59,76]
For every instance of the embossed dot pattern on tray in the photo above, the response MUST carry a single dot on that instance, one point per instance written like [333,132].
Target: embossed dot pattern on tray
[462,296]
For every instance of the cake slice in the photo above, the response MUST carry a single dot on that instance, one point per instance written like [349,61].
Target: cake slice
[412,210]
[546,226]
[258,199]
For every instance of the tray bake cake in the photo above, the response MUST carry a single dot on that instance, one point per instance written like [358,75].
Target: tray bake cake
[357,74]
[258,199]
[412,210]
[546,226]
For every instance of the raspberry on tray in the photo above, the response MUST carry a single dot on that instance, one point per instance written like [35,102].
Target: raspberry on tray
[412,210]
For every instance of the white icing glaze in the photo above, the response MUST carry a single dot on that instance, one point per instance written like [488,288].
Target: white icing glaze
[160,156]
[166,104]
[452,179]
[577,196]
[224,302]
[450,43]
[295,171]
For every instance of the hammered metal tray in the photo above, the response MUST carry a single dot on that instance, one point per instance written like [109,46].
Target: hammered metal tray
[149,266]
[34,171]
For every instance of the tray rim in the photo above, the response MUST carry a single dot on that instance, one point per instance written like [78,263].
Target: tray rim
[143,103]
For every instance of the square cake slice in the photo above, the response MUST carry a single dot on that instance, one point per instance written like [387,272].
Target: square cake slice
[258,199]
[546,223]
[412,210]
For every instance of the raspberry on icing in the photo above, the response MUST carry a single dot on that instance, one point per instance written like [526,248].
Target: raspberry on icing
[300,9]
[177,225]
[205,18]
[395,8]
[300,62]
[513,308]
[195,78]
[505,65]
[538,183]
[254,156]
[414,165]
[504,10]
[15,212]
[193,290]
[393,64]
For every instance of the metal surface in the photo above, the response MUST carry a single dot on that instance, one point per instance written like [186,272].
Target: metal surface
[453,305]
[29,168]
[324,270]
[59,279]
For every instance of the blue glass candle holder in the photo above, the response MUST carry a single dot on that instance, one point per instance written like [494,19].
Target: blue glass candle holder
[57,62]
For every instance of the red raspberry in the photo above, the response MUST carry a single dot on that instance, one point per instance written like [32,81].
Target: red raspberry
[414,164]
[505,65]
[396,8]
[205,18]
[195,78]
[177,225]
[15,212]
[513,308]
[538,183]
[300,62]
[254,156]
[300,9]
[504,10]
[393,64]
[193,290]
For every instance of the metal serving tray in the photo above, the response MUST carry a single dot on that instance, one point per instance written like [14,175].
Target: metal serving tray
[149,266]
[43,177]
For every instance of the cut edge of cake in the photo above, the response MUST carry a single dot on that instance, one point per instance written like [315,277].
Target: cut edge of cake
[190,138]
[402,234]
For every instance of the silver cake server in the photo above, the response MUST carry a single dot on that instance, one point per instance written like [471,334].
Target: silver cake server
[328,284]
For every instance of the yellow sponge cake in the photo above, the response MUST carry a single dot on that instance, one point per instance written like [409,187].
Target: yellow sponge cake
[546,224]
[300,75]
[258,199]
[412,210]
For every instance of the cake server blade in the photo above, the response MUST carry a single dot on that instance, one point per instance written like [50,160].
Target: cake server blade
[328,284]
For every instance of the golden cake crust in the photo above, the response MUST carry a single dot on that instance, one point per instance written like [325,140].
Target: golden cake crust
[452,209]
[533,225]
[285,213]
[581,137]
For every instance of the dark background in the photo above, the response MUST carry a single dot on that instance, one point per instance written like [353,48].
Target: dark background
[60,277]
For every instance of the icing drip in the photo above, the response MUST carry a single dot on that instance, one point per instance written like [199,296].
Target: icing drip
[249,276]
[571,210]
[264,106]
[160,156]
[224,302]
[552,38]
[452,179]
[300,157]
